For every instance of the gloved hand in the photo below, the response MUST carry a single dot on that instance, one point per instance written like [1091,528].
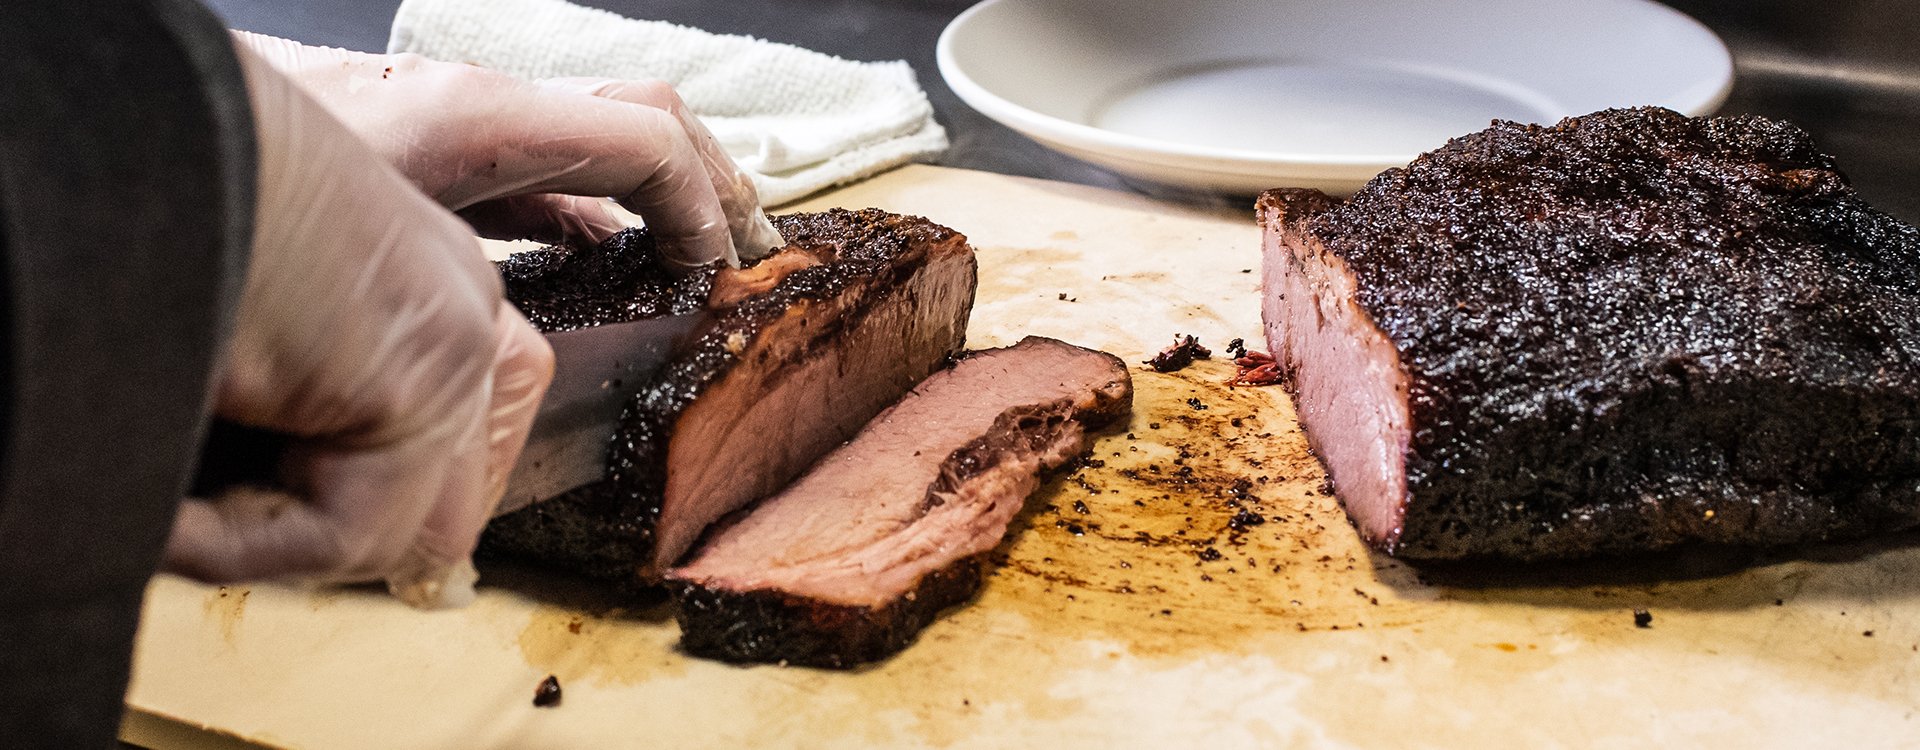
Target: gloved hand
[512,157]
[373,331]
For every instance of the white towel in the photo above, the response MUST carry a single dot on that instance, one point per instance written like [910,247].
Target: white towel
[798,120]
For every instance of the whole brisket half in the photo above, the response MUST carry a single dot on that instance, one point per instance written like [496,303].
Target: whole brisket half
[802,349]
[1619,333]
[849,563]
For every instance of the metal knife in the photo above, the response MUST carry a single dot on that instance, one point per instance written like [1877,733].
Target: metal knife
[595,371]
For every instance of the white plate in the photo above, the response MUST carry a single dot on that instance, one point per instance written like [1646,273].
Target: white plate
[1244,95]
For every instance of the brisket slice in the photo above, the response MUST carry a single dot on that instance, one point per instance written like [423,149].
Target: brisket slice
[1620,333]
[849,563]
[801,350]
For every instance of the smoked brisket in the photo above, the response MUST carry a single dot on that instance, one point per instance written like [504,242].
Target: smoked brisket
[849,563]
[802,349]
[1623,332]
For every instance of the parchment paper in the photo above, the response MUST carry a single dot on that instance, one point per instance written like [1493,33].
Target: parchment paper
[1132,610]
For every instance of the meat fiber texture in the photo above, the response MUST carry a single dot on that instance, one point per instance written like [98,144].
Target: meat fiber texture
[799,352]
[1624,332]
[849,563]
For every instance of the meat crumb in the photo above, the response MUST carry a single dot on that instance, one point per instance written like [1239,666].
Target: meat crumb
[1183,352]
[1255,368]
[1642,618]
[547,695]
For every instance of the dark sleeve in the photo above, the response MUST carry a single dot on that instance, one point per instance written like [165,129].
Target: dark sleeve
[126,205]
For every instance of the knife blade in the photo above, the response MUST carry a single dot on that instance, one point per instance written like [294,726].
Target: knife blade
[595,371]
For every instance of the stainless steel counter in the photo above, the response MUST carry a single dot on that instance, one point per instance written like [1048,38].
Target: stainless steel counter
[1848,71]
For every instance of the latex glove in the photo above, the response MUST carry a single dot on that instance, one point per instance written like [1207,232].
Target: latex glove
[514,156]
[371,329]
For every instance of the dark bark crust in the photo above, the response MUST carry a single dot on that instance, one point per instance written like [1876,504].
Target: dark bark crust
[1635,329]
[605,530]
[765,626]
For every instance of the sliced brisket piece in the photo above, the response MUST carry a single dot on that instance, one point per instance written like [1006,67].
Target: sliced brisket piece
[1623,332]
[802,350]
[850,562]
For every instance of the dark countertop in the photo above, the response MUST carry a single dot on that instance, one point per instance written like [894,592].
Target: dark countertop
[1846,70]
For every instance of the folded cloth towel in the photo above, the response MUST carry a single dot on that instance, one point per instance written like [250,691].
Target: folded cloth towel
[798,120]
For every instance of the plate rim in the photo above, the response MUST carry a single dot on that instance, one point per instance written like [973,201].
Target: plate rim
[1081,136]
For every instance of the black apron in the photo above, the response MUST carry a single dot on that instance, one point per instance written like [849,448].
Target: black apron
[126,205]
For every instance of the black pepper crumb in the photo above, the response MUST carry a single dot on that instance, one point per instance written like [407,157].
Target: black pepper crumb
[547,695]
[1779,602]
[1642,618]
[1195,404]
[1244,519]
[1867,633]
[1237,348]
[1209,554]
[1079,507]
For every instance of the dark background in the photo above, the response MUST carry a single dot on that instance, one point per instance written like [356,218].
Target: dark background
[1846,70]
